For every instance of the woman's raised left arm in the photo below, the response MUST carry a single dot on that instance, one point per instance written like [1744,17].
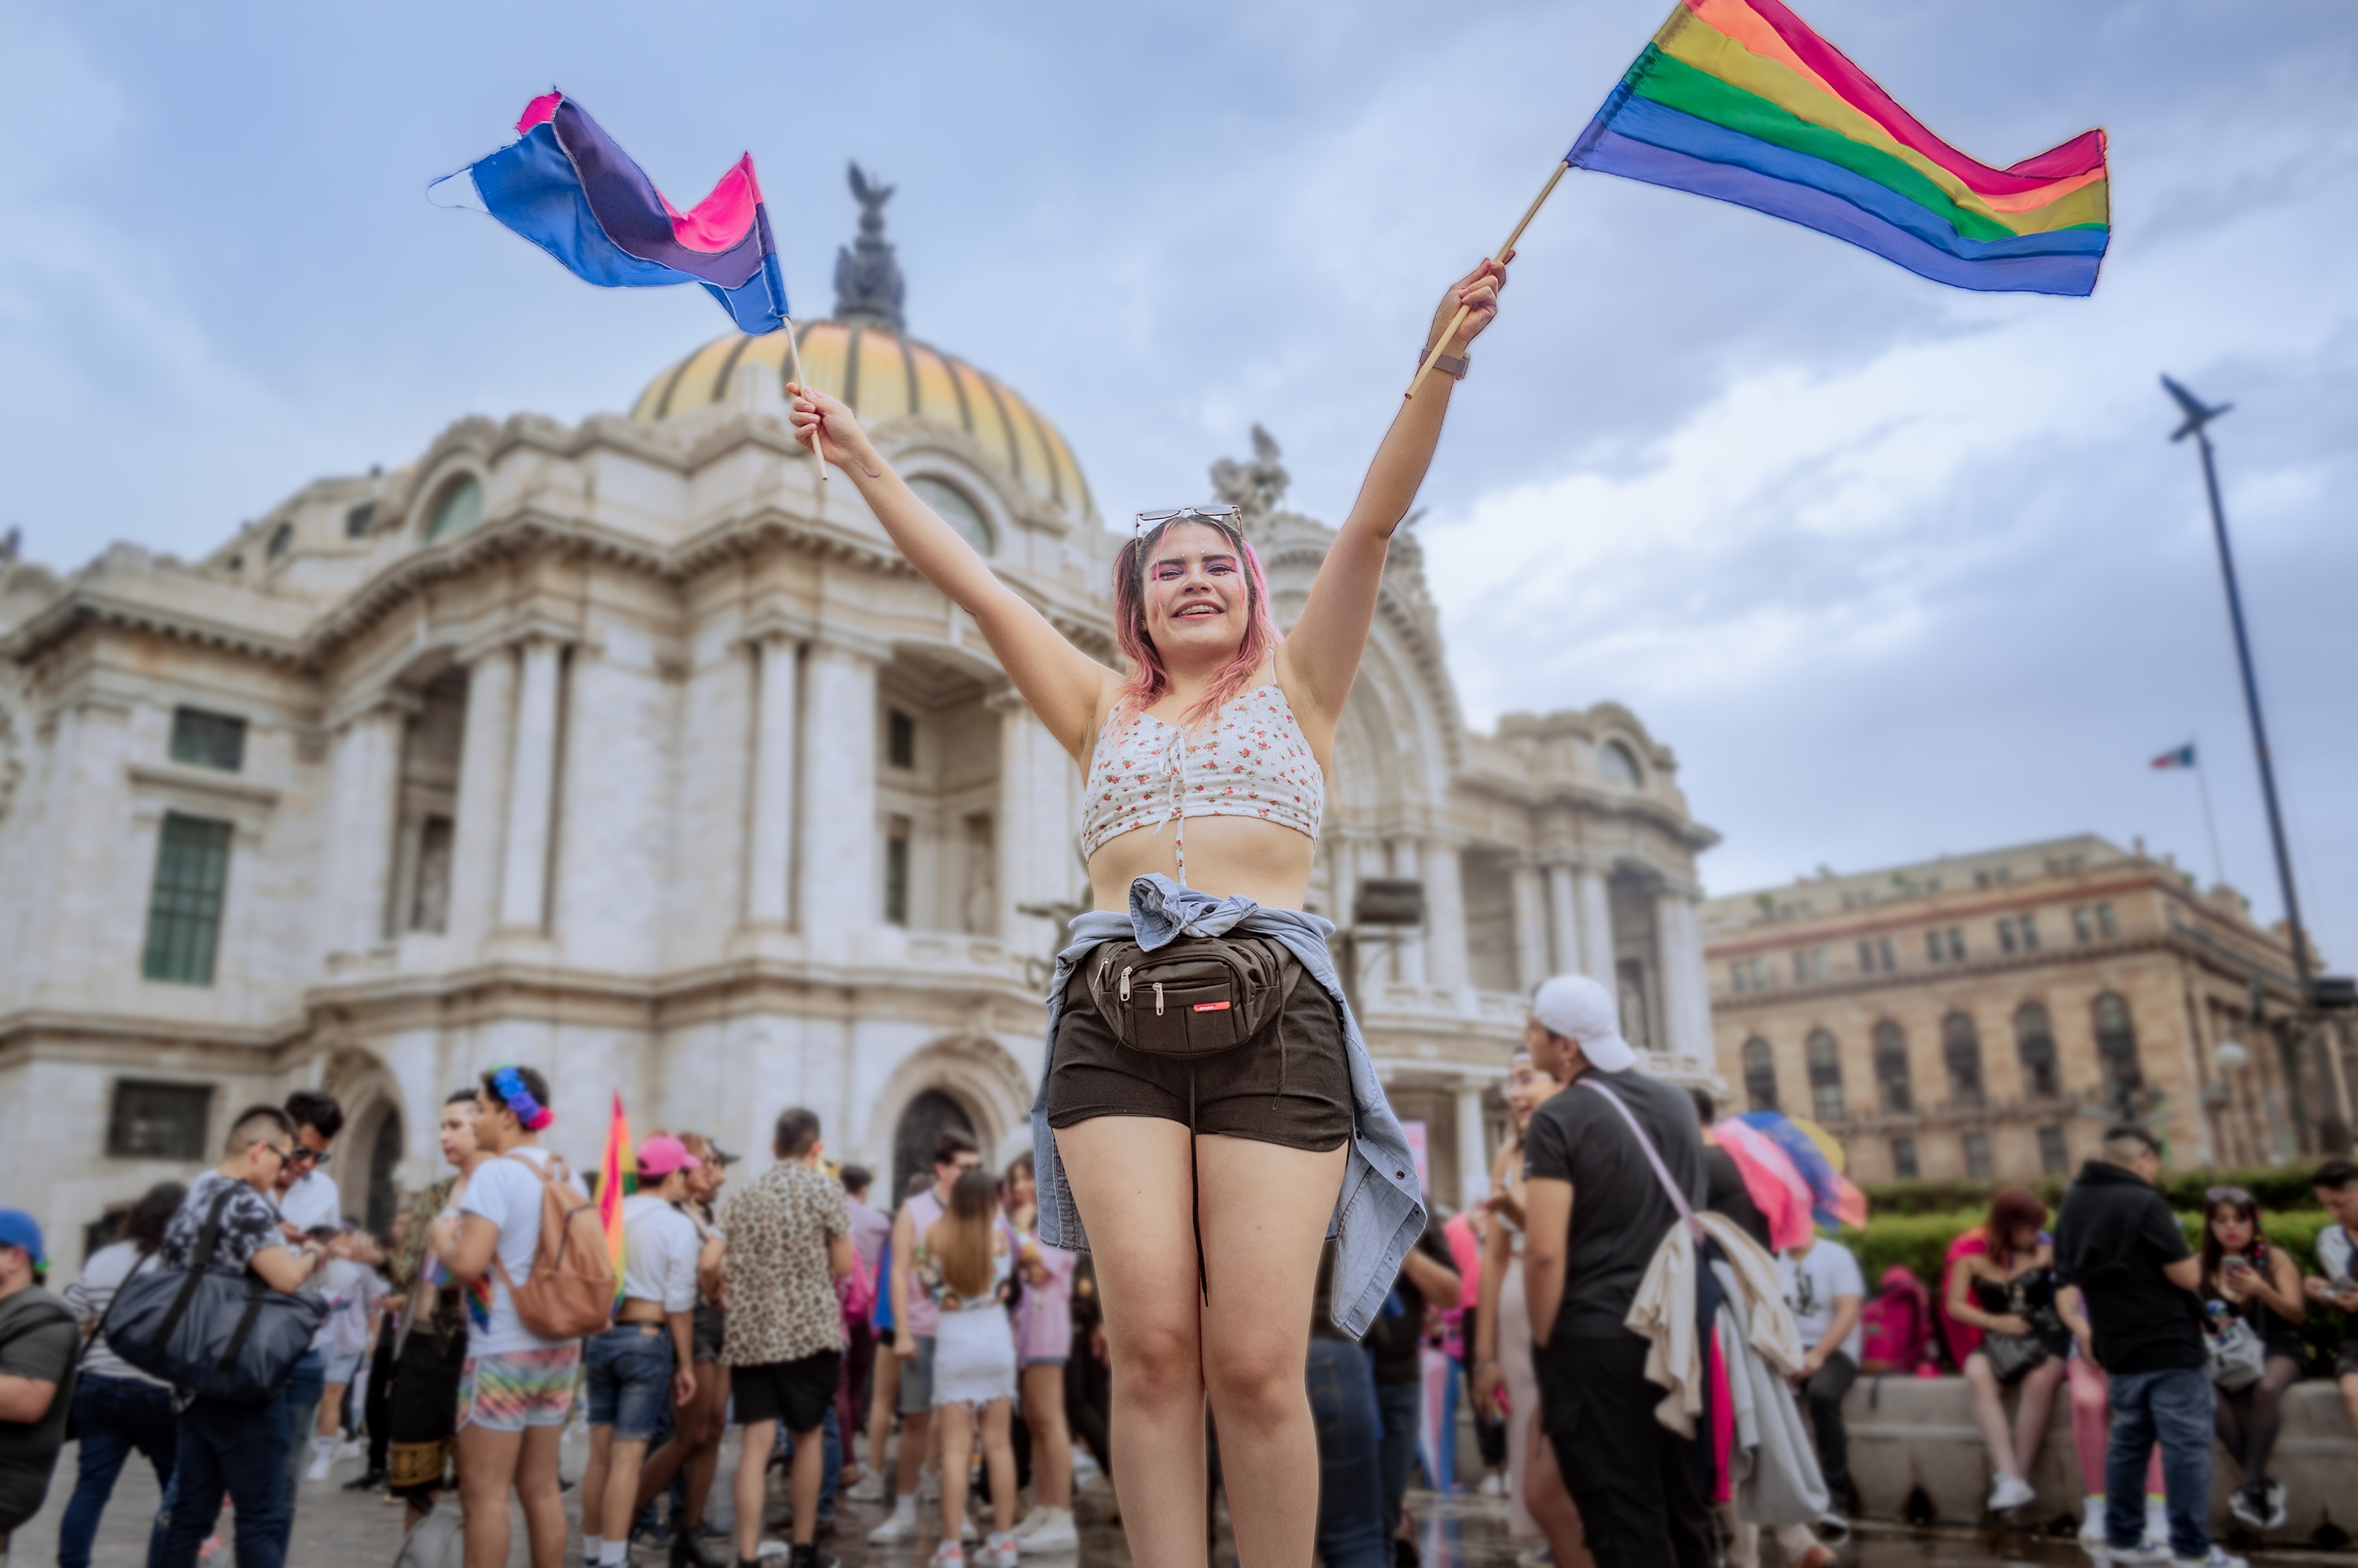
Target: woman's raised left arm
[1320,657]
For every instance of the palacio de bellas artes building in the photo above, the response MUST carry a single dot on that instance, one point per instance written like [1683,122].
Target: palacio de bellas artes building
[630,751]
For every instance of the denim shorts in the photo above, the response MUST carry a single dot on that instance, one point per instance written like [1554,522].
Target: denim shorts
[629,1371]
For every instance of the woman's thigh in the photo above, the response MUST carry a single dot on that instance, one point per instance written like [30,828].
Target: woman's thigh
[1131,1179]
[1265,1209]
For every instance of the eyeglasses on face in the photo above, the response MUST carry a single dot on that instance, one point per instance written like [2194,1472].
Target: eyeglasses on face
[302,1154]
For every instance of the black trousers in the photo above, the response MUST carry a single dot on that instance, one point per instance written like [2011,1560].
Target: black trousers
[1823,1394]
[1632,1476]
[377,1408]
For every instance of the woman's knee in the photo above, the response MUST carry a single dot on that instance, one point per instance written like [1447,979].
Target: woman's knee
[1255,1373]
[1157,1362]
[1978,1376]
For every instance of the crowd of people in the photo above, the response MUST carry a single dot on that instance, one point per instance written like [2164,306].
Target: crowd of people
[893,1356]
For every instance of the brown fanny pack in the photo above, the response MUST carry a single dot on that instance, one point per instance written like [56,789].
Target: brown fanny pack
[1193,996]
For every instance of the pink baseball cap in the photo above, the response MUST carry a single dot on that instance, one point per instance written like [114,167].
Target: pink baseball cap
[659,1157]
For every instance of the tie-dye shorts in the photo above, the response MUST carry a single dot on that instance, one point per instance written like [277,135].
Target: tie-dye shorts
[526,1387]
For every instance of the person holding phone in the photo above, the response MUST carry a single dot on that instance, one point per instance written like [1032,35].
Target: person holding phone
[2260,1284]
[2337,1190]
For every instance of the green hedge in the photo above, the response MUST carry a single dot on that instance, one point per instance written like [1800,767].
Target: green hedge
[2277,1187]
[1920,1241]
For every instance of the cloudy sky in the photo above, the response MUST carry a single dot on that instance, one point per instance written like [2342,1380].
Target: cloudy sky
[1896,569]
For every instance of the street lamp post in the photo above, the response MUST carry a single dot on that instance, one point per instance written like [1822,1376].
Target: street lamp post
[2198,417]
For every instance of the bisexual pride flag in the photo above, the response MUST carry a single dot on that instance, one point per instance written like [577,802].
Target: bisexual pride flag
[565,185]
[1742,100]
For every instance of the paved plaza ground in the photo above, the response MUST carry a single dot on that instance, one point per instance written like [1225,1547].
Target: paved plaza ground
[336,1528]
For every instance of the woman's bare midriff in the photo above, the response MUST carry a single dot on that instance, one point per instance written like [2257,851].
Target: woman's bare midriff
[1226,857]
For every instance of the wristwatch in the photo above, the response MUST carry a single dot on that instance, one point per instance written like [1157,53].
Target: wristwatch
[1454,366]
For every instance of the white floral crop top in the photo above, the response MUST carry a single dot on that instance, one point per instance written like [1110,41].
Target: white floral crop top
[1252,760]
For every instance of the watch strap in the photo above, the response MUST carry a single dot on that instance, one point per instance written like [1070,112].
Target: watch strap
[1454,366]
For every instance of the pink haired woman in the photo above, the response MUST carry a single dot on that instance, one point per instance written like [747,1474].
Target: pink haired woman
[1206,1182]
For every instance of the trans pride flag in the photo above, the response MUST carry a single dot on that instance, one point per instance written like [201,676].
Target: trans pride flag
[1740,100]
[565,185]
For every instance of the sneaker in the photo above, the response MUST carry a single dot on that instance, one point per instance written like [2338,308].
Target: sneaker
[967,1531]
[2280,1504]
[1031,1521]
[868,1488]
[2217,1557]
[2156,1524]
[2250,1506]
[999,1551]
[2146,1552]
[948,1554]
[770,1549]
[810,1557]
[352,1448]
[320,1461]
[2010,1492]
[1493,1486]
[901,1525]
[1055,1533]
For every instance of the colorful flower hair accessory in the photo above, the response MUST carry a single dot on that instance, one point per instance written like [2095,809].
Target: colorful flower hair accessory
[530,1114]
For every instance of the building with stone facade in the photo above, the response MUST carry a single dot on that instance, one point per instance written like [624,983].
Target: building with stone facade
[632,750]
[1988,1015]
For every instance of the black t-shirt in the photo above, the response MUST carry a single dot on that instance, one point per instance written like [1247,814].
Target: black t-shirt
[40,1340]
[1725,1194]
[1619,1211]
[1396,1337]
[2112,1237]
[248,1224]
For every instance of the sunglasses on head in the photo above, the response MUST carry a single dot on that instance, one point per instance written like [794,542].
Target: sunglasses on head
[1214,513]
[2237,1195]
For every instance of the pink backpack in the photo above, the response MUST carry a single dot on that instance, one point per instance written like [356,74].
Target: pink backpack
[1896,1325]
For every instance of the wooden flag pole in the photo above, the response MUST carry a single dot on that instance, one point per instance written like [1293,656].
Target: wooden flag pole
[1506,249]
[794,367]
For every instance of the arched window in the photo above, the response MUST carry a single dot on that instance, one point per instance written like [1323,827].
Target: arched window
[1960,1048]
[957,508]
[1825,1076]
[1618,765]
[281,539]
[2034,1043]
[1759,1074]
[459,508]
[1891,1067]
[2116,1047]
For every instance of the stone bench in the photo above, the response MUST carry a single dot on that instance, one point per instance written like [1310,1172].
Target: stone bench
[1917,1434]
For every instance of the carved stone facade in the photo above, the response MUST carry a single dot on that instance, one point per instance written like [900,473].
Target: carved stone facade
[632,750]
[1988,1015]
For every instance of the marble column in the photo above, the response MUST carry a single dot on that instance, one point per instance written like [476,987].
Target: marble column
[1530,925]
[1596,927]
[1686,995]
[839,895]
[1408,955]
[1342,876]
[482,783]
[769,850]
[532,787]
[1037,862]
[1473,1158]
[1445,903]
[1564,919]
[364,794]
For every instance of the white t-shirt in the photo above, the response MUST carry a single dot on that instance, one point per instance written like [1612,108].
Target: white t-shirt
[350,1289]
[91,1294]
[659,1249]
[313,1202]
[1812,1284]
[503,1192]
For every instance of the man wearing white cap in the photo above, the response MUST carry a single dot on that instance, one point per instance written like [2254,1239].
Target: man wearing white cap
[1597,1212]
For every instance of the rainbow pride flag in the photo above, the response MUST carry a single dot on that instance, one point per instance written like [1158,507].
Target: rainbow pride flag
[618,1177]
[1741,101]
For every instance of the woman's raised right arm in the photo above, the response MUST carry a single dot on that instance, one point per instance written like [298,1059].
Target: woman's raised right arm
[1064,686]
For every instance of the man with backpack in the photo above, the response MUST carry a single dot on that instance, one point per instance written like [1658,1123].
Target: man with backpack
[527,1236]
[1596,1213]
[38,1347]
[228,1444]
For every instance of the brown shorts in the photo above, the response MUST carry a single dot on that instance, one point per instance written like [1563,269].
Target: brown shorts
[1290,1084]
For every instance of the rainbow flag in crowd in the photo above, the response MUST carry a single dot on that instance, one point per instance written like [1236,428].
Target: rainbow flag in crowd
[565,185]
[618,1177]
[1741,101]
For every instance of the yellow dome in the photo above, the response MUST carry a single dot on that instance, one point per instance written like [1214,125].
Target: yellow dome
[882,376]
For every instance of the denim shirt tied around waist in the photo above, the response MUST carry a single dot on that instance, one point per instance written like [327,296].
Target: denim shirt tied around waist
[1380,1213]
